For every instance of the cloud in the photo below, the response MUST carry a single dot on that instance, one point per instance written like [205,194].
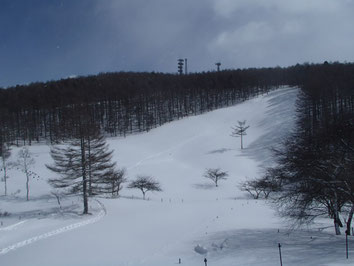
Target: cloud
[138,35]
[279,32]
[253,32]
[226,8]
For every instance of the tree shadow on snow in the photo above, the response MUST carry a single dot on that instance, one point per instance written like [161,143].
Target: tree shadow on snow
[278,124]
[222,150]
[260,247]
[205,186]
[40,207]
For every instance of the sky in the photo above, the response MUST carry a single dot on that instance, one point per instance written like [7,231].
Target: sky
[43,40]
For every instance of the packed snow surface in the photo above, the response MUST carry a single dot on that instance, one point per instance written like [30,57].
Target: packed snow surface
[191,220]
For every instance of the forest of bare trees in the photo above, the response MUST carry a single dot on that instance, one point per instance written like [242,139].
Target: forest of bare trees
[314,175]
[122,103]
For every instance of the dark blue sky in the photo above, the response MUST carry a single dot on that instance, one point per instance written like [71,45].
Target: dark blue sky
[42,40]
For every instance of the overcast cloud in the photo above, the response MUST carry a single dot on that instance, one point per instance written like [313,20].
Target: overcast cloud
[51,39]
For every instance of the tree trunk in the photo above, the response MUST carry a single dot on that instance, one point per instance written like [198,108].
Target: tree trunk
[5,175]
[89,167]
[27,185]
[336,218]
[350,218]
[84,179]
[336,226]
[5,179]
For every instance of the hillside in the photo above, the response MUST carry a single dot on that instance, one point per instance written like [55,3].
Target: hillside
[226,223]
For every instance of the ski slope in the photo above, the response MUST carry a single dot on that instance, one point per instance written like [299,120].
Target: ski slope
[190,220]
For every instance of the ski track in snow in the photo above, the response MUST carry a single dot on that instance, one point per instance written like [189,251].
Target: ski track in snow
[158,154]
[13,226]
[61,230]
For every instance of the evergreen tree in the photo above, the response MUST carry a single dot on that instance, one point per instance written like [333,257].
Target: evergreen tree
[84,167]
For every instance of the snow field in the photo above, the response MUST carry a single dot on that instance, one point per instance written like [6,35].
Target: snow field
[232,228]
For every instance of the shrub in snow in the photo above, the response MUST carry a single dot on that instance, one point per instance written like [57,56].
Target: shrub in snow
[4,214]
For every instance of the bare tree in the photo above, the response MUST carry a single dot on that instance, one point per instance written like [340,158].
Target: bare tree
[56,194]
[315,180]
[5,165]
[258,187]
[145,184]
[215,174]
[114,180]
[251,186]
[240,130]
[24,163]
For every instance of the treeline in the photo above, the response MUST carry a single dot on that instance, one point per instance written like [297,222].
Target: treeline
[315,171]
[126,103]
[122,103]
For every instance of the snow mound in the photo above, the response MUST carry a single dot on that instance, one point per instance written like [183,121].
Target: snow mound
[200,249]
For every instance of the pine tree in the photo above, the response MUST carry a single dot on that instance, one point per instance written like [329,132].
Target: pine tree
[84,167]
[99,164]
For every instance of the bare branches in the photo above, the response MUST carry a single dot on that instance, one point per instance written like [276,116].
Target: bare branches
[240,131]
[5,153]
[145,184]
[257,187]
[215,174]
[24,163]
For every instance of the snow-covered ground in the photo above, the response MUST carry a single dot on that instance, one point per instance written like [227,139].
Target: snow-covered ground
[190,220]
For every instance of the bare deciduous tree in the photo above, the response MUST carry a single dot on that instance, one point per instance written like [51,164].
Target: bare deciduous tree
[5,165]
[24,163]
[251,186]
[215,174]
[259,187]
[116,179]
[145,184]
[240,130]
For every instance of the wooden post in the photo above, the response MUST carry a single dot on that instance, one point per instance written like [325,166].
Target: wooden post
[281,261]
[346,243]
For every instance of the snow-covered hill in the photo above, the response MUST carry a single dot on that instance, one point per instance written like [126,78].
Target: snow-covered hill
[190,220]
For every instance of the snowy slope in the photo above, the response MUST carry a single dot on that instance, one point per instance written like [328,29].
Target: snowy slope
[228,226]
